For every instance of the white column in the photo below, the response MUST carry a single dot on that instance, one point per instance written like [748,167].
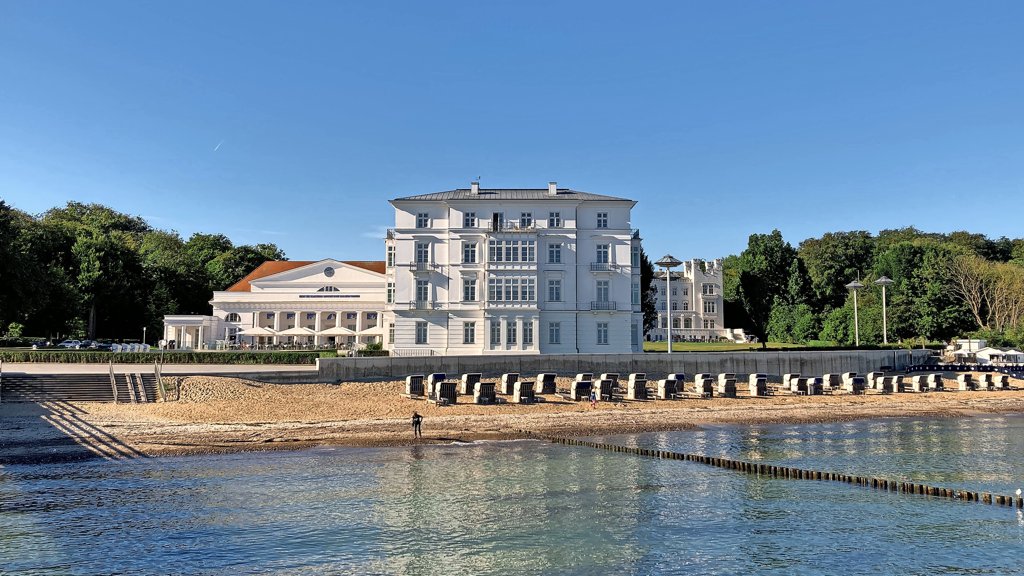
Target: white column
[316,326]
[359,326]
[199,337]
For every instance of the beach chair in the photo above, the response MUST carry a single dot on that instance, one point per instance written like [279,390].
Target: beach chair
[507,382]
[579,390]
[545,383]
[758,384]
[483,393]
[704,386]
[467,384]
[935,382]
[636,387]
[848,376]
[447,393]
[613,376]
[965,382]
[727,385]
[874,379]
[432,381]
[798,386]
[585,377]
[919,383]
[604,388]
[831,383]
[1002,382]
[788,381]
[668,388]
[680,379]
[522,393]
[853,385]
[815,386]
[413,386]
[986,382]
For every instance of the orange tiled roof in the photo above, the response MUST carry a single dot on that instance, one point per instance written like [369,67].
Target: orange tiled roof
[272,267]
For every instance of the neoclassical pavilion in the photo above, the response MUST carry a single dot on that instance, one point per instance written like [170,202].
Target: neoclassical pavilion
[330,303]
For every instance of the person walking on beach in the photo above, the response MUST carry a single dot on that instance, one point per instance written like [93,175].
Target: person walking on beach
[593,398]
[417,421]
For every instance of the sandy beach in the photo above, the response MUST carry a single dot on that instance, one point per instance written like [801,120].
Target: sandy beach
[216,414]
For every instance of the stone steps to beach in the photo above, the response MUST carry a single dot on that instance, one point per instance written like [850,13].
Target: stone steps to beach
[76,388]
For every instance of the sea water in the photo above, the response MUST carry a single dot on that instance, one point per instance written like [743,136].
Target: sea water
[529,507]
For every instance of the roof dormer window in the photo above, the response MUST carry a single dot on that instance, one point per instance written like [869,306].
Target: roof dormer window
[328,289]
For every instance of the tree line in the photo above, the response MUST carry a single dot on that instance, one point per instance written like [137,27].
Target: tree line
[944,286]
[86,270]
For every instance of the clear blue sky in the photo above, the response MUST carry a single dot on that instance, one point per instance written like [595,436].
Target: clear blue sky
[294,122]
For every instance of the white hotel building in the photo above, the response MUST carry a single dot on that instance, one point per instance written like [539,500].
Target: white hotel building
[517,271]
[696,303]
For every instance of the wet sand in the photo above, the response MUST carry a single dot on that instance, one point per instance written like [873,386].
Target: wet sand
[216,414]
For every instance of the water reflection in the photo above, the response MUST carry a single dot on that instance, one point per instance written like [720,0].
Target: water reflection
[528,507]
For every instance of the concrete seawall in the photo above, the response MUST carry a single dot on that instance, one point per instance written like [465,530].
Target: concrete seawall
[773,363]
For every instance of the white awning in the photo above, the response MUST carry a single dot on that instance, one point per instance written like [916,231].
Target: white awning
[257,331]
[297,331]
[375,331]
[337,331]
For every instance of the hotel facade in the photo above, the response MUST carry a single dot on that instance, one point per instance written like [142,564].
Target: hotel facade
[694,306]
[513,271]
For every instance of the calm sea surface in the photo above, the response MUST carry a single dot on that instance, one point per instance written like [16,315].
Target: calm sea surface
[532,508]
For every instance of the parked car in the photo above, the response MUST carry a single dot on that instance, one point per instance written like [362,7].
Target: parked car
[100,346]
[37,344]
[74,344]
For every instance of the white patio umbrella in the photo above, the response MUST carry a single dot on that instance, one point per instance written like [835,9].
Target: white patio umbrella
[375,331]
[337,331]
[296,331]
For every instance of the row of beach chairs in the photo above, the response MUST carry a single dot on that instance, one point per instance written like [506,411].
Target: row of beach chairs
[606,387]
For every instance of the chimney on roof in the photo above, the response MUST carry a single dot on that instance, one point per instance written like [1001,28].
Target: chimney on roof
[474,187]
[552,188]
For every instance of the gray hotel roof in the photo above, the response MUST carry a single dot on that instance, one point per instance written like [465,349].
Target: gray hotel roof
[512,194]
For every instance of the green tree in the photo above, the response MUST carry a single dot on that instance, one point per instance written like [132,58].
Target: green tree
[763,278]
[648,296]
[833,261]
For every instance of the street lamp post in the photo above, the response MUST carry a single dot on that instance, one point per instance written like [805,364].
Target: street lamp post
[883,282]
[668,262]
[853,287]
[143,334]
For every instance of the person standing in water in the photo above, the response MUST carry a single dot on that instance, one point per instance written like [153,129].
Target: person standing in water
[417,422]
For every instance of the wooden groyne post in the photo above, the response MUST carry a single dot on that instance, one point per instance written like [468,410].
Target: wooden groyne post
[789,473]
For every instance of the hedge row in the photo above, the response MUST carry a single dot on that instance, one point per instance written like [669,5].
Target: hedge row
[169,357]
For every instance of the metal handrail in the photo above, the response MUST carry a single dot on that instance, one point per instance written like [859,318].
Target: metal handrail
[113,382]
[603,305]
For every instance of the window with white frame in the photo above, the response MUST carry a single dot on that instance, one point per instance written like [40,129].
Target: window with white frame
[391,256]
[707,289]
[469,332]
[675,305]
[554,332]
[422,252]
[602,219]
[469,289]
[636,293]
[529,251]
[602,333]
[554,253]
[512,251]
[421,332]
[711,307]
[554,219]
[709,324]
[422,290]
[675,322]
[391,332]
[634,257]
[664,322]
[511,289]
[602,253]
[391,292]
[423,220]
[469,220]
[634,334]
[469,253]
[686,305]
[526,220]
[687,323]
[510,333]
[528,333]
[554,290]
[603,288]
[686,291]
[233,317]
[497,221]
[495,333]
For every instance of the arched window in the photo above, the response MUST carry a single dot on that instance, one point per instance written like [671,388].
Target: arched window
[687,323]
[233,317]
[329,289]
